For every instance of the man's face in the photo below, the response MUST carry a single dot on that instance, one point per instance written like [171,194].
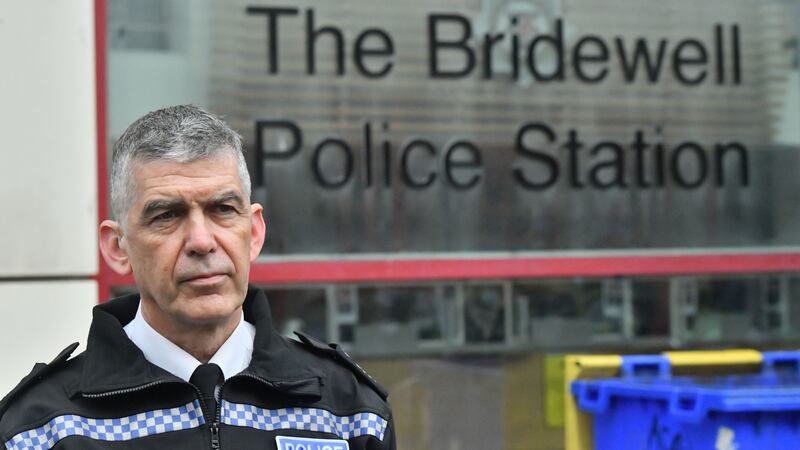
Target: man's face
[190,237]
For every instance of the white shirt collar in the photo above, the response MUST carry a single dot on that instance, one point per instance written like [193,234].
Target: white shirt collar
[232,357]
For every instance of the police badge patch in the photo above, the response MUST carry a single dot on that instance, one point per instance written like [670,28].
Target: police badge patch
[299,443]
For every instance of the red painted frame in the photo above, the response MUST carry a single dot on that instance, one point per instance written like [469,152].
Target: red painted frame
[103,271]
[403,269]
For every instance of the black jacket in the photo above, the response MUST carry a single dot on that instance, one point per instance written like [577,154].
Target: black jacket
[110,396]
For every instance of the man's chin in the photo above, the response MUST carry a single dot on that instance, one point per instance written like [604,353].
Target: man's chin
[208,307]
[210,316]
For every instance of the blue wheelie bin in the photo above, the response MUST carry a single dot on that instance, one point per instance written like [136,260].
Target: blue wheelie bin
[647,408]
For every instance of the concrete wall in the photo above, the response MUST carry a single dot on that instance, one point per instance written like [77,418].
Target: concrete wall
[48,188]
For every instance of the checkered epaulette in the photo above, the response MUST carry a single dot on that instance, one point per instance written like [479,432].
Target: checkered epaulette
[39,371]
[335,352]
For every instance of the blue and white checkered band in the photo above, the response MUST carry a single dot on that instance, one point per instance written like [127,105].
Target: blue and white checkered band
[304,419]
[121,429]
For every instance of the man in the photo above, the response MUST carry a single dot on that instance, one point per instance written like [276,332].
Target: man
[193,361]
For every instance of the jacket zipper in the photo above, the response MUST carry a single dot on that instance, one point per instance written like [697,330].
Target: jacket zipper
[259,379]
[215,445]
[272,384]
[217,419]
[126,390]
[214,425]
[215,435]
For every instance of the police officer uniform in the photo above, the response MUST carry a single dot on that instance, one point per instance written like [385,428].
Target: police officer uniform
[293,395]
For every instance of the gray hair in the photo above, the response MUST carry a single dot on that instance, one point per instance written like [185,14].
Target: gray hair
[181,134]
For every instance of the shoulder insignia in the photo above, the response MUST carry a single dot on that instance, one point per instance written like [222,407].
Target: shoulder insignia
[334,351]
[39,371]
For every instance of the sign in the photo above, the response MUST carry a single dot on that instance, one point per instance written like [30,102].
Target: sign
[377,127]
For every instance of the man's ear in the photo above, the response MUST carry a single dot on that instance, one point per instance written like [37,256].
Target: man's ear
[258,230]
[113,248]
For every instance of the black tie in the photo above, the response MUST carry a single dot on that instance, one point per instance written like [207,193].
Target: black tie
[206,378]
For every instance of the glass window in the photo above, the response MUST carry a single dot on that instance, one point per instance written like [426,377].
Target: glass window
[299,309]
[140,24]
[724,309]
[651,313]
[470,316]
[367,142]
[571,312]
[485,314]
[403,318]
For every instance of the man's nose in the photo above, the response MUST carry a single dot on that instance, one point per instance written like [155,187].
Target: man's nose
[199,237]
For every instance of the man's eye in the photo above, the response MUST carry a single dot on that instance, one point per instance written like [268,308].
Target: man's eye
[165,216]
[226,209]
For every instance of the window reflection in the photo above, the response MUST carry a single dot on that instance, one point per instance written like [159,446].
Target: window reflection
[559,312]
[651,308]
[484,314]
[724,310]
[297,309]
[668,312]
[403,317]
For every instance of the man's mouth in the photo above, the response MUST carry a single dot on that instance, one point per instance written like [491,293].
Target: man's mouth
[205,279]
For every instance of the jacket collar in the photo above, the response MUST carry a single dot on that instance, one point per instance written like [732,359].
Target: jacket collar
[113,363]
